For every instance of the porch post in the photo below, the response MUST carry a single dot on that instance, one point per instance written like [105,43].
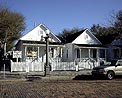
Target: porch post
[105,55]
[25,52]
[98,57]
[119,52]
[55,52]
[38,53]
[80,54]
[61,51]
[75,53]
[89,52]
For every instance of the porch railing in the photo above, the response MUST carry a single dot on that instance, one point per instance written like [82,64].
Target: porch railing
[86,63]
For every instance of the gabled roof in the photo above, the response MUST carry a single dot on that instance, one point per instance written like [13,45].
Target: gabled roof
[83,37]
[70,38]
[38,34]
[117,41]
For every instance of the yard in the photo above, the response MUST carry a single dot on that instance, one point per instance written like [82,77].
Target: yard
[61,88]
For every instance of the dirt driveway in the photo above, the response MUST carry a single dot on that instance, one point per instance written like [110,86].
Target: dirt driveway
[61,89]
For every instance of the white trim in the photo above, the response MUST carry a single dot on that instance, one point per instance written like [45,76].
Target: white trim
[89,47]
[28,36]
[25,44]
[51,32]
[89,40]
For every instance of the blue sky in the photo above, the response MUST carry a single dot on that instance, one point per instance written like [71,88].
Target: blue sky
[60,14]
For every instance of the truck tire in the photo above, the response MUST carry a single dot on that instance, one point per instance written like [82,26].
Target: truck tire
[110,75]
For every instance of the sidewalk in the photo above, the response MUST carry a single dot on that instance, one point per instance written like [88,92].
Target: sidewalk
[60,75]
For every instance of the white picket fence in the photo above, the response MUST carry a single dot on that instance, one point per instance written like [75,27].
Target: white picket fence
[39,66]
[63,66]
[27,67]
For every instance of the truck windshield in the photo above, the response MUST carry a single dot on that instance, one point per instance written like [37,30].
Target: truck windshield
[113,62]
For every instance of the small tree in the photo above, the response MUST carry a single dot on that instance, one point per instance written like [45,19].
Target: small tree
[11,26]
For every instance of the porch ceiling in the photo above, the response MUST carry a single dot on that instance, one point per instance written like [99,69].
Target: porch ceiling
[40,45]
[116,46]
[29,43]
[90,46]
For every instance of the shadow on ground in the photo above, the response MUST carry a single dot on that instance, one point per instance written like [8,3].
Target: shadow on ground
[90,77]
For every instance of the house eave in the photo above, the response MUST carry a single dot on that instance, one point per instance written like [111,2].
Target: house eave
[39,43]
[91,46]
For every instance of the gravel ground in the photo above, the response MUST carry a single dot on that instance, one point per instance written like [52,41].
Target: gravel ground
[54,88]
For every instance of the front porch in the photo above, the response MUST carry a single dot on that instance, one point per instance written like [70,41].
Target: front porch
[91,53]
[36,51]
[81,57]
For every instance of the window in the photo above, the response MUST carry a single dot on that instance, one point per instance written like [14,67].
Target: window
[116,53]
[67,53]
[120,62]
[43,28]
[102,53]
[31,52]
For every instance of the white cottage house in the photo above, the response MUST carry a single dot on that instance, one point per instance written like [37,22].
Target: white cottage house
[33,45]
[84,47]
[83,51]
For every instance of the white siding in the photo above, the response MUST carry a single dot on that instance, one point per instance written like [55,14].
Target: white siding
[67,52]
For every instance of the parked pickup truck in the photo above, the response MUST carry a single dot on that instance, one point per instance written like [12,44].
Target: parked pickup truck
[109,71]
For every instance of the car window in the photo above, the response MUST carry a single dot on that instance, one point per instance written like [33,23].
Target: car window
[119,62]
[107,63]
